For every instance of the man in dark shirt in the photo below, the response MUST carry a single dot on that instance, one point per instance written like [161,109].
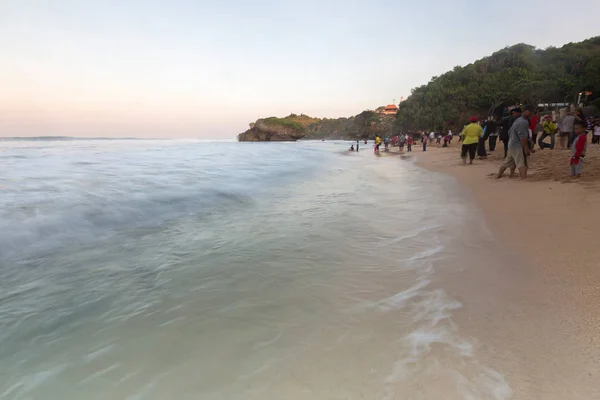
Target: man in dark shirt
[491,128]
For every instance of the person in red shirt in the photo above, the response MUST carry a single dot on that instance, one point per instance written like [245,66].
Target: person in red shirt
[409,143]
[533,123]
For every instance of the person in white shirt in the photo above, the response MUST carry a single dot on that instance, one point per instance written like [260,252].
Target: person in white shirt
[431,137]
[596,130]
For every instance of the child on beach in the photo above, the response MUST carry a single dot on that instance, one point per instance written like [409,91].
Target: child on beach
[578,148]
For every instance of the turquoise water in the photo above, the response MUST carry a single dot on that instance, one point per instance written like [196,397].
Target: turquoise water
[182,269]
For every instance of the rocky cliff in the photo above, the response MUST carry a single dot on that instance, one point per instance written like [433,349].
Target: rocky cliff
[294,127]
[273,130]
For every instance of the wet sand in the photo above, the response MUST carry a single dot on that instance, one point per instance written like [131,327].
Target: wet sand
[534,302]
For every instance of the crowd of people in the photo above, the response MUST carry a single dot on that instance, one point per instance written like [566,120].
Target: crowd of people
[523,129]
[520,133]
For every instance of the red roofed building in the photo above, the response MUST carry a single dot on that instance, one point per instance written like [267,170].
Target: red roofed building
[390,109]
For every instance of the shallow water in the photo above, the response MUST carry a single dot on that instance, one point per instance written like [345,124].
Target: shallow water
[181,269]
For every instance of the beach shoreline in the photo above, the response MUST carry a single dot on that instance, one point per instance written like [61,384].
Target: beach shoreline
[539,318]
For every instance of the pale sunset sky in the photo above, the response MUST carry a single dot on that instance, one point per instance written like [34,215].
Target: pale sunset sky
[205,69]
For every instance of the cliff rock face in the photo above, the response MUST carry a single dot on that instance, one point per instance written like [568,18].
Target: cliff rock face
[272,130]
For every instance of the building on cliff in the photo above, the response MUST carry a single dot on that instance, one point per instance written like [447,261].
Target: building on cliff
[390,109]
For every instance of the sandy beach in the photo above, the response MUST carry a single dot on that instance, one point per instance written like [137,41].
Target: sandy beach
[542,313]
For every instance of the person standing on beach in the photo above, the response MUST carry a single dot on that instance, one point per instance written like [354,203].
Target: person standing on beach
[481,145]
[578,148]
[425,140]
[402,141]
[357,146]
[506,124]
[492,132]
[533,126]
[596,130]
[518,146]
[409,142]
[566,130]
[470,140]
[377,143]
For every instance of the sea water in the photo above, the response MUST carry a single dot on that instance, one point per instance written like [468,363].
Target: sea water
[138,269]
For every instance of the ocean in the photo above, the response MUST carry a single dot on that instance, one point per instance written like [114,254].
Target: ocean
[147,269]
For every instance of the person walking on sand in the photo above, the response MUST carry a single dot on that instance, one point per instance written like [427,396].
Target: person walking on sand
[506,124]
[425,140]
[518,146]
[402,140]
[578,148]
[377,144]
[409,142]
[470,140]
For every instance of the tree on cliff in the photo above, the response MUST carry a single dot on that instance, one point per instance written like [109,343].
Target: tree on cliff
[365,123]
[516,74]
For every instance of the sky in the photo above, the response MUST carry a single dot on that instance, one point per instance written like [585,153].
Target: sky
[206,69]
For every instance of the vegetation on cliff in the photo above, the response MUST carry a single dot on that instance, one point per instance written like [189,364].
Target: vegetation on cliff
[515,75]
[286,123]
[273,129]
[294,127]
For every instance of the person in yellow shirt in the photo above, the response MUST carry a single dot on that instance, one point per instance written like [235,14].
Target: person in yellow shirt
[470,140]
[377,143]
[550,129]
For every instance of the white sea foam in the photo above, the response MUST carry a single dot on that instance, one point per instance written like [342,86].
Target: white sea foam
[431,311]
